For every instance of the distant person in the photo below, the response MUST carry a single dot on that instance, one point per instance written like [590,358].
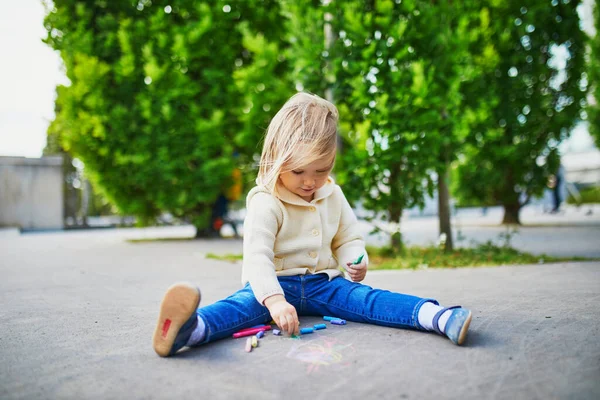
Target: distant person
[559,181]
[220,212]
[299,228]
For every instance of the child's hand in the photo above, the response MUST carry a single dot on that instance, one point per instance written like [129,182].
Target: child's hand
[358,271]
[283,313]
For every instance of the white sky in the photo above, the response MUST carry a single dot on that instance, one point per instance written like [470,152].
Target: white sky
[30,71]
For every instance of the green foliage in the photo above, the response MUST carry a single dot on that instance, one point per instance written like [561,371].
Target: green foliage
[307,53]
[162,95]
[589,195]
[399,70]
[225,257]
[593,74]
[415,257]
[486,254]
[534,96]
[73,196]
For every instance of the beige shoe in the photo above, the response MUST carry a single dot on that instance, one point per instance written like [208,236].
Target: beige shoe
[177,319]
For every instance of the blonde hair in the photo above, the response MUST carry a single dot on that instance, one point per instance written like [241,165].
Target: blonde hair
[303,131]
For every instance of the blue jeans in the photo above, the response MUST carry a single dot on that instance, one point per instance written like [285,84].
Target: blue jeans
[314,295]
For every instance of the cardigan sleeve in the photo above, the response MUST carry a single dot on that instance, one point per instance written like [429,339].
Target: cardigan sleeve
[260,230]
[348,243]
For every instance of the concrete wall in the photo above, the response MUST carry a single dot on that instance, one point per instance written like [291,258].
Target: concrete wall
[31,192]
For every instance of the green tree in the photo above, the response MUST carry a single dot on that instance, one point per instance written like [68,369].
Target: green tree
[594,78]
[399,68]
[157,92]
[534,97]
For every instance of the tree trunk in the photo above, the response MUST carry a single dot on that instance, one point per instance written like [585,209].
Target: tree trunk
[510,200]
[511,214]
[209,219]
[86,190]
[444,208]
[396,239]
[206,232]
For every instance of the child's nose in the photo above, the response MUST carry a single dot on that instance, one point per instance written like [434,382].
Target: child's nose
[309,182]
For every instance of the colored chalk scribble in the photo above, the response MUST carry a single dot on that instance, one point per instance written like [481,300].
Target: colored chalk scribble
[320,352]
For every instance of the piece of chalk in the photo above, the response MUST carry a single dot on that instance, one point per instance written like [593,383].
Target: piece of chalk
[254,341]
[250,331]
[326,318]
[248,345]
[276,332]
[306,330]
[359,259]
[338,321]
[260,334]
[320,326]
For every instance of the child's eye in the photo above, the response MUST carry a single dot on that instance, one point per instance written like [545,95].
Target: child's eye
[297,172]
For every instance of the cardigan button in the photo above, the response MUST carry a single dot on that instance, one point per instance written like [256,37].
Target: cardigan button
[313,254]
[311,208]
[315,232]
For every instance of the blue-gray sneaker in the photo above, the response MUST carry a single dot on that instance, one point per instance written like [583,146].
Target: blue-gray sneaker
[457,325]
[177,319]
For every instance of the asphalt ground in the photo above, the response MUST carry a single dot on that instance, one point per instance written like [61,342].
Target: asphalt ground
[79,308]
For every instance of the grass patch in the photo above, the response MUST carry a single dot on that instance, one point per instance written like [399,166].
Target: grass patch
[225,257]
[590,195]
[416,257]
[486,254]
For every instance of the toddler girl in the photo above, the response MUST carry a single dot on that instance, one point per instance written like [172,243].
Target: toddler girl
[299,228]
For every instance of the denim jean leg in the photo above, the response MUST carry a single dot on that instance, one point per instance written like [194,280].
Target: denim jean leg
[292,289]
[242,310]
[238,311]
[361,303]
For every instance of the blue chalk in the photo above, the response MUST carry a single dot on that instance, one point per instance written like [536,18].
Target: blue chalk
[306,330]
[326,318]
[276,332]
[338,321]
[260,334]
[320,326]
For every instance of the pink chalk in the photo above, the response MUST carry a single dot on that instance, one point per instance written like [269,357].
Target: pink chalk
[250,331]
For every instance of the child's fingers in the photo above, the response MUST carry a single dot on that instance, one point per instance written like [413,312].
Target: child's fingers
[354,271]
[283,324]
[362,265]
[296,327]
[357,272]
[292,324]
[358,276]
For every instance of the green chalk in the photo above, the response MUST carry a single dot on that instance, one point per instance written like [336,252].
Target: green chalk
[359,259]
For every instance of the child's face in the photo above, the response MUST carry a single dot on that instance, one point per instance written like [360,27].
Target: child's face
[307,180]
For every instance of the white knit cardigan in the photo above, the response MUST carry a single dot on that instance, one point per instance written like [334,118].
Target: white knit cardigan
[286,235]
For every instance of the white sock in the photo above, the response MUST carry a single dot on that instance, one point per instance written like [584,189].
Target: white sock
[198,334]
[426,314]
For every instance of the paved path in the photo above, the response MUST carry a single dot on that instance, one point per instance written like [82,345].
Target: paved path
[78,310]
[573,232]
